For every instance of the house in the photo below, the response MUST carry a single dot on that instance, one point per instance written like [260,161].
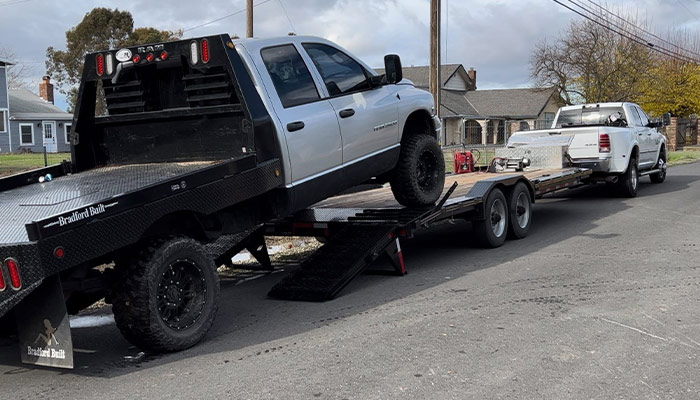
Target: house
[480,117]
[29,122]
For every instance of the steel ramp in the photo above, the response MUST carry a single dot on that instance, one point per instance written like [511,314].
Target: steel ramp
[347,254]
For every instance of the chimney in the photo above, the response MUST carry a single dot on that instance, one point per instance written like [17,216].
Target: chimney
[472,78]
[46,89]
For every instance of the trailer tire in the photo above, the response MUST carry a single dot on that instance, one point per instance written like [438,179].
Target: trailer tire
[520,211]
[419,175]
[629,181]
[492,231]
[166,298]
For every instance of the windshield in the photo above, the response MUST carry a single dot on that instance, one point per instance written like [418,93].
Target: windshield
[590,116]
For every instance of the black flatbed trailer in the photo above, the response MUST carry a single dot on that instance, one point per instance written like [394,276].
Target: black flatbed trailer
[360,227]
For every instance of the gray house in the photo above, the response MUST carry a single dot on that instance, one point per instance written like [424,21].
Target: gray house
[29,122]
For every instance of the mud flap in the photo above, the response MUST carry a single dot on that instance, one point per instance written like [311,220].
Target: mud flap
[43,327]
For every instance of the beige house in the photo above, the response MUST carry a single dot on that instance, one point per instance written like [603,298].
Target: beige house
[480,117]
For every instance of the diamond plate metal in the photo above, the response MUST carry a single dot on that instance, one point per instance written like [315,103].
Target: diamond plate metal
[541,156]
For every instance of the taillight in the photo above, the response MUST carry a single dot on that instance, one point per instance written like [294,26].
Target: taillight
[163,55]
[194,53]
[100,61]
[205,51]
[604,143]
[109,63]
[3,285]
[13,269]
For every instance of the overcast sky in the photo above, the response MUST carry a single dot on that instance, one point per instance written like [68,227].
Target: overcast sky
[494,36]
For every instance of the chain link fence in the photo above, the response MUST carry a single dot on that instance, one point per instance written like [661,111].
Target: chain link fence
[20,162]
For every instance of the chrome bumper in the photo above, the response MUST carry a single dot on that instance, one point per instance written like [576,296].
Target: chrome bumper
[594,164]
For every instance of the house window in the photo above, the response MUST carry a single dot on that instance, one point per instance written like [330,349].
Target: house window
[3,129]
[69,131]
[548,119]
[26,134]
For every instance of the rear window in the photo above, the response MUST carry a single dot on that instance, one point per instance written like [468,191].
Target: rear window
[290,76]
[587,116]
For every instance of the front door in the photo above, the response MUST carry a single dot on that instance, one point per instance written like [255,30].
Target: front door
[49,131]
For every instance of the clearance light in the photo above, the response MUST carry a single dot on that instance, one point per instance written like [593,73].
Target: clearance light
[150,57]
[163,55]
[136,58]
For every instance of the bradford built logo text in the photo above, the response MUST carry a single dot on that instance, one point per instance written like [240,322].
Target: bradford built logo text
[80,215]
[46,352]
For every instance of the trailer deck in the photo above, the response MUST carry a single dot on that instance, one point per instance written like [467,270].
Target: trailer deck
[360,227]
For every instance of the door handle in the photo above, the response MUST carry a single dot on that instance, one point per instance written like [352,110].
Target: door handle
[295,126]
[348,112]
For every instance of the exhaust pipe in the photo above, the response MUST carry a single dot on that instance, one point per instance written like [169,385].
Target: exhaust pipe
[611,179]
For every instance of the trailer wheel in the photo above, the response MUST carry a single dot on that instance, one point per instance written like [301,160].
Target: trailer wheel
[629,181]
[520,210]
[492,231]
[660,176]
[419,175]
[166,299]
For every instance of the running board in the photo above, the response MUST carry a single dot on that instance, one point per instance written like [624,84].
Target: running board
[346,255]
[651,171]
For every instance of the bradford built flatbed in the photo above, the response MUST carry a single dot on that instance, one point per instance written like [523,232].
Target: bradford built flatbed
[357,228]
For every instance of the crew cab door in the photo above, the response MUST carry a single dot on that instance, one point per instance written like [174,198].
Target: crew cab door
[647,154]
[310,124]
[368,117]
[653,139]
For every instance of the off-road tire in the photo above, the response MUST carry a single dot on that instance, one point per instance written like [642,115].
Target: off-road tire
[660,176]
[419,175]
[520,211]
[484,231]
[136,294]
[629,181]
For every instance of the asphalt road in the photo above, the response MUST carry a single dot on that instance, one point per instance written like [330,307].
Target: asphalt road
[600,301]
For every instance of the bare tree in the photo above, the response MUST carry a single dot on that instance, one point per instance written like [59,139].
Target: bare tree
[19,73]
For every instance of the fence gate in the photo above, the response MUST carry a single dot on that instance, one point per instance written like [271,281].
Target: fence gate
[687,131]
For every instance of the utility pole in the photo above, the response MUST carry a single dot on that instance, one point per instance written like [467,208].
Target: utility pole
[249,19]
[434,77]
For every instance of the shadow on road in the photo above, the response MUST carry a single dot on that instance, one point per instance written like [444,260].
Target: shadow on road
[247,318]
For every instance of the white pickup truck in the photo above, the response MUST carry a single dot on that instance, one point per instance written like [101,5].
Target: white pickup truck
[616,140]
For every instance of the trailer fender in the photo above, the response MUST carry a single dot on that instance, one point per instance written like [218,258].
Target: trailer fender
[483,188]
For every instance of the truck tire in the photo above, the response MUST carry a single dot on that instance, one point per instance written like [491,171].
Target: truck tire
[492,231]
[167,297]
[660,176]
[629,181]
[419,175]
[520,211]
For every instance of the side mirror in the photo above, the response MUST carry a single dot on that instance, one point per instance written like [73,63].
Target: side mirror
[666,119]
[392,67]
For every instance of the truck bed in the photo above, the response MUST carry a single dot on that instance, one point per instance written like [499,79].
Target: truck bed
[38,201]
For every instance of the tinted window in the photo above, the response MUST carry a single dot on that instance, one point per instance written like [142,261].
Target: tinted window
[340,73]
[643,116]
[290,76]
[587,116]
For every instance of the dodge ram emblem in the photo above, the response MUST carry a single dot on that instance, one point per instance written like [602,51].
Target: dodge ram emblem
[123,55]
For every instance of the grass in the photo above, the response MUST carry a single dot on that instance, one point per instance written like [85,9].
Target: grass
[683,157]
[14,163]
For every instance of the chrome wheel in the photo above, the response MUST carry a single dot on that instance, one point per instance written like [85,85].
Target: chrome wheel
[498,217]
[633,176]
[522,210]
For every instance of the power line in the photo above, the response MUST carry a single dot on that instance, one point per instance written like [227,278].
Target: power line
[637,40]
[11,2]
[218,19]
[288,19]
[688,9]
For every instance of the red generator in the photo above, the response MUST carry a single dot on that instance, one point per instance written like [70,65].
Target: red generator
[463,162]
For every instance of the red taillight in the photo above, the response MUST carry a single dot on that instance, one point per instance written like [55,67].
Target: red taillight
[2,281]
[163,55]
[604,143]
[136,58]
[205,51]
[100,62]
[150,57]
[13,269]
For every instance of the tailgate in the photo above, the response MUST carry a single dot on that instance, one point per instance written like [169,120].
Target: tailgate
[582,142]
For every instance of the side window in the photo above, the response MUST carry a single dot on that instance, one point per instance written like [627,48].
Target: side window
[643,116]
[340,73]
[290,76]
[634,117]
